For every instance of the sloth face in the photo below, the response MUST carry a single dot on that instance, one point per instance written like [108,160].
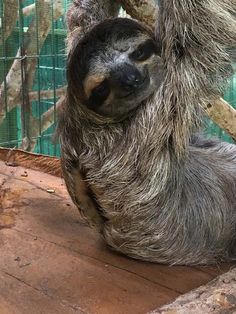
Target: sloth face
[115,67]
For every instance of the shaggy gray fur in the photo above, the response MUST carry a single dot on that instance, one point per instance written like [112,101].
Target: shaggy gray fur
[83,14]
[195,37]
[162,199]
[86,13]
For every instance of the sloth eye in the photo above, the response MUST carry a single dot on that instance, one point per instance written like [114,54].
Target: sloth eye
[100,93]
[101,90]
[144,51]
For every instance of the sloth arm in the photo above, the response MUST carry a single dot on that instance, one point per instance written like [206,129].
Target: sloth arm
[83,197]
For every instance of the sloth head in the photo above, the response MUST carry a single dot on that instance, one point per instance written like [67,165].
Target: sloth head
[114,68]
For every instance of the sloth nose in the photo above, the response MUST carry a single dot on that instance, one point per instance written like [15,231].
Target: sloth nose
[127,77]
[131,81]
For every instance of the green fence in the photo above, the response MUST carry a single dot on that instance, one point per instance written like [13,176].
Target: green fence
[49,77]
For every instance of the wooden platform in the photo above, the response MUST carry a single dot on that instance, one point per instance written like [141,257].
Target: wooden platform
[52,262]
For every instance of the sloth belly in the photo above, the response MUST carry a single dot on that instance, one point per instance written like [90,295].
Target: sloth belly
[168,229]
[192,221]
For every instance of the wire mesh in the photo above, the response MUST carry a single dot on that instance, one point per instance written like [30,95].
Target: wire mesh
[32,74]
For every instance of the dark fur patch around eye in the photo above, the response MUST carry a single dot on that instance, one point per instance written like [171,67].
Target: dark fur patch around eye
[99,94]
[144,51]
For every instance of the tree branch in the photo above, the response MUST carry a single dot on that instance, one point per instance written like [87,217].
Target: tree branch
[218,296]
[14,76]
[48,117]
[223,115]
[47,94]
[10,13]
[47,120]
[83,14]
[146,11]
[39,27]
[29,10]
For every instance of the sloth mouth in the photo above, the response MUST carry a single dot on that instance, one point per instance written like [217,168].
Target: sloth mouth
[136,91]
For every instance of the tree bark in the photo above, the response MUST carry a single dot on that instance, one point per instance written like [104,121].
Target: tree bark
[146,11]
[47,120]
[223,115]
[218,296]
[13,83]
[39,27]
[29,10]
[47,94]
[10,13]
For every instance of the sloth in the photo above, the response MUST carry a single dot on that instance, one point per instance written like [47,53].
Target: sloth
[150,198]
[119,67]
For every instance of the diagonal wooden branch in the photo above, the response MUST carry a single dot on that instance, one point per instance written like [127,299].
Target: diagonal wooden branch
[37,128]
[13,83]
[10,13]
[29,10]
[39,28]
[223,115]
[57,7]
[48,118]
[47,94]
